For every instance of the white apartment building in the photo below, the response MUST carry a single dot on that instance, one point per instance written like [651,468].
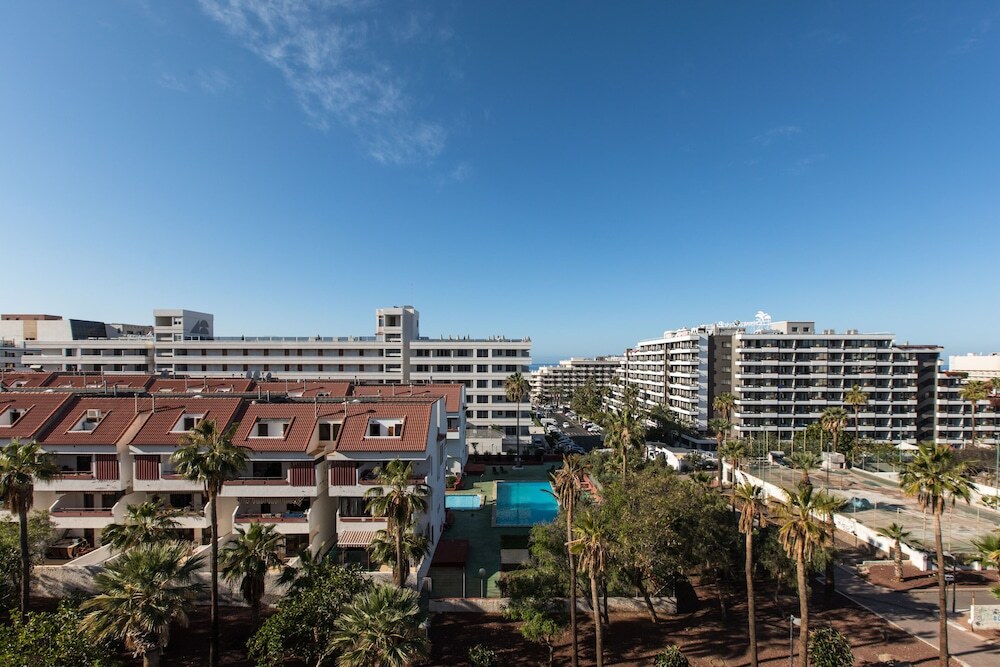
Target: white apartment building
[571,374]
[954,417]
[182,343]
[783,375]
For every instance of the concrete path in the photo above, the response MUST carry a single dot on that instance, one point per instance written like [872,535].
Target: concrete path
[916,612]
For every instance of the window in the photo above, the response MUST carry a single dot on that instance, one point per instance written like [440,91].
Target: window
[10,416]
[385,428]
[328,431]
[271,428]
[186,422]
[90,421]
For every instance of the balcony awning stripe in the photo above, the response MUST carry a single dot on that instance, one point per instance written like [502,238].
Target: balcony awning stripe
[271,499]
[355,538]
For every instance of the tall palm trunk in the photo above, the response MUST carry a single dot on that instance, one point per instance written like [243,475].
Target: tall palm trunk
[151,658]
[943,653]
[22,536]
[857,425]
[899,562]
[572,583]
[213,649]
[973,423]
[751,605]
[517,429]
[800,578]
[828,585]
[401,569]
[595,601]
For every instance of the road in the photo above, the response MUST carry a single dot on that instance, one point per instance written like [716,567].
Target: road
[580,435]
[916,613]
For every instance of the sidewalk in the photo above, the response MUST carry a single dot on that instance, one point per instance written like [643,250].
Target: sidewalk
[919,618]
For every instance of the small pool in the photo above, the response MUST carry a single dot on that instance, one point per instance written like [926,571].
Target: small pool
[465,501]
[525,503]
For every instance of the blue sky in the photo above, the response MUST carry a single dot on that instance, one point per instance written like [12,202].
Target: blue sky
[588,174]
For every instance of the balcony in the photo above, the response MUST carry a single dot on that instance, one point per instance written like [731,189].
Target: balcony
[287,518]
[274,479]
[82,473]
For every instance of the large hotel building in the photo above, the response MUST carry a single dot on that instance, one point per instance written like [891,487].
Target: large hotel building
[570,374]
[783,375]
[183,344]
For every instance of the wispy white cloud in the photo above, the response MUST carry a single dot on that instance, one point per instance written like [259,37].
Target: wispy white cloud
[775,133]
[211,80]
[975,39]
[323,50]
[804,164]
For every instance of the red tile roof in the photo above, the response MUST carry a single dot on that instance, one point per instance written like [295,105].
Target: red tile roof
[305,388]
[157,430]
[99,381]
[119,414]
[416,422]
[297,438]
[40,411]
[201,386]
[31,380]
[452,393]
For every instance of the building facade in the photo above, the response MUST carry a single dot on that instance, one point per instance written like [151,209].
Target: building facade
[560,381]
[783,375]
[182,344]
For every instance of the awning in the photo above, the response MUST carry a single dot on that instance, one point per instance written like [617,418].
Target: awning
[355,538]
[271,500]
[451,553]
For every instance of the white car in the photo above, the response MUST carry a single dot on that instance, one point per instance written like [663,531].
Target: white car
[565,424]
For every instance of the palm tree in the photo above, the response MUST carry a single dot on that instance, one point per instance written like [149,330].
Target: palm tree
[592,544]
[381,628]
[399,503]
[752,505]
[208,455]
[833,421]
[516,387]
[384,548]
[248,558]
[934,477]
[898,535]
[567,483]
[20,465]
[988,550]
[626,429]
[724,404]
[142,593]
[800,533]
[856,397]
[829,505]
[145,523]
[974,391]
[719,427]
[804,461]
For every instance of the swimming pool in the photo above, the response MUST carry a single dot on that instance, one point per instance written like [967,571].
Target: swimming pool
[465,501]
[525,503]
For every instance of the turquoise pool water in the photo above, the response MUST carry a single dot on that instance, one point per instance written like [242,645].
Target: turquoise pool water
[466,501]
[525,503]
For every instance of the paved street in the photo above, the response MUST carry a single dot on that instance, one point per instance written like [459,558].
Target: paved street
[916,613]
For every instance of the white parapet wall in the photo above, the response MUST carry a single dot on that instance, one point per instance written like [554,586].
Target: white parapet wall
[918,558]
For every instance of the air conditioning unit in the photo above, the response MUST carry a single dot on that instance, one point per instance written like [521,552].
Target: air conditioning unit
[94,414]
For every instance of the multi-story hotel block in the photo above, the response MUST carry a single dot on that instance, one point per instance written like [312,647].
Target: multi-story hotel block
[783,375]
[182,344]
[313,449]
[954,414]
[571,374]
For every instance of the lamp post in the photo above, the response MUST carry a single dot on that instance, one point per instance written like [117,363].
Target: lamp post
[482,582]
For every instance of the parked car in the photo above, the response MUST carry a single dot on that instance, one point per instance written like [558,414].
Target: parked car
[565,424]
[860,504]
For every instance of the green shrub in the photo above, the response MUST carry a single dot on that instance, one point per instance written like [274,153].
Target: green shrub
[481,655]
[829,648]
[671,657]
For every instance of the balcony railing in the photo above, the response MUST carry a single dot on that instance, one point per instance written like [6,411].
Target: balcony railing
[272,517]
[258,481]
[82,511]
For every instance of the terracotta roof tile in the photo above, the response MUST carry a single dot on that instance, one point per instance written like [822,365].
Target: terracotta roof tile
[306,388]
[30,380]
[158,428]
[99,381]
[416,422]
[201,386]
[40,409]
[452,393]
[302,419]
[118,415]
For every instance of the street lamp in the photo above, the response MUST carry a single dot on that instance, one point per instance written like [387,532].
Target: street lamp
[482,582]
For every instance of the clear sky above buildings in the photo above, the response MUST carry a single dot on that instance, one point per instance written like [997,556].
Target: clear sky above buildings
[585,173]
